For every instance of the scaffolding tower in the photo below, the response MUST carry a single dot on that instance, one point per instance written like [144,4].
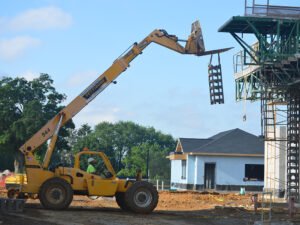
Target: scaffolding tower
[269,71]
[293,143]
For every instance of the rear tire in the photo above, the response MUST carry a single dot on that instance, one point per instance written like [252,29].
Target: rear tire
[56,193]
[12,193]
[120,199]
[141,197]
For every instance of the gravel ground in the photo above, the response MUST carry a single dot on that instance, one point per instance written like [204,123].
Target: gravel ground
[176,208]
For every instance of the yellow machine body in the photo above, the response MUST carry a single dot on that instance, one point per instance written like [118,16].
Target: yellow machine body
[80,181]
[15,181]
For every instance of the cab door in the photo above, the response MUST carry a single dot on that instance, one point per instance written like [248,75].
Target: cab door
[101,187]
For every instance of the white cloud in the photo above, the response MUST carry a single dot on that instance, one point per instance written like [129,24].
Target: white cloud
[94,115]
[30,75]
[13,48]
[115,110]
[40,19]
[82,77]
[101,110]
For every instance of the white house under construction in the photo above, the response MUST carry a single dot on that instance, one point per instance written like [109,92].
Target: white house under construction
[226,161]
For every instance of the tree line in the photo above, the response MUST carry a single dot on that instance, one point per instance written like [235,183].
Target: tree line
[25,106]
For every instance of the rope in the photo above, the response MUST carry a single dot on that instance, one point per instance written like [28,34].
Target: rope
[245,116]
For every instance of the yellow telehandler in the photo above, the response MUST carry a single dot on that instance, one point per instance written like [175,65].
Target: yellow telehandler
[56,186]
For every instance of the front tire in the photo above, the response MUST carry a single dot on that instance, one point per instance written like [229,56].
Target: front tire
[141,197]
[120,199]
[56,193]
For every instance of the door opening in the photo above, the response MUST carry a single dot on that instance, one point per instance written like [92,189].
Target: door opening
[209,175]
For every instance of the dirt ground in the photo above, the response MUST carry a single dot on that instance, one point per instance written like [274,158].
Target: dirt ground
[176,208]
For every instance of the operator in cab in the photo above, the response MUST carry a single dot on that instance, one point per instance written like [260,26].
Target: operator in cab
[91,168]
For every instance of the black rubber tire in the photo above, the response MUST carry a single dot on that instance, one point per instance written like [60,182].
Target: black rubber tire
[120,199]
[12,193]
[56,193]
[141,197]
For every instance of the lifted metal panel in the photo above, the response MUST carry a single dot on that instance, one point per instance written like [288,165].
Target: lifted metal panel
[215,82]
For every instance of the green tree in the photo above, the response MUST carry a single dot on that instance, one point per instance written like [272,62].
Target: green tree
[25,106]
[126,143]
[101,139]
[158,167]
[66,156]
[84,130]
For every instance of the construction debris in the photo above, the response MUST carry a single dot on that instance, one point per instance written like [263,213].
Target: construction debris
[3,176]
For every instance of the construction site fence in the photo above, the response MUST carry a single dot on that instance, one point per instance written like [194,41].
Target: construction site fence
[161,185]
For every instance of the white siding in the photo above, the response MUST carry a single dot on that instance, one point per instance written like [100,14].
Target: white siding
[176,172]
[190,164]
[229,170]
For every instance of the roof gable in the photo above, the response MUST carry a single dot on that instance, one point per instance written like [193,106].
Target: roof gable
[178,147]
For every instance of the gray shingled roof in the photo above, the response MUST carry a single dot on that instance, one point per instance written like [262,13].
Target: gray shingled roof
[234,141]
[193,143]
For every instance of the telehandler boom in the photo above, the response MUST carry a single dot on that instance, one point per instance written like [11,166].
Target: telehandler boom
[56,187]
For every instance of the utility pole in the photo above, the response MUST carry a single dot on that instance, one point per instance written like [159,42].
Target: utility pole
[147,169]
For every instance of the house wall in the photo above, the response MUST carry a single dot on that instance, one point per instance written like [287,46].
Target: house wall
[190,164]
[176,172]
[230,172]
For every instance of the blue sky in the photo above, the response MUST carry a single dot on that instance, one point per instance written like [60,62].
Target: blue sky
[75,41]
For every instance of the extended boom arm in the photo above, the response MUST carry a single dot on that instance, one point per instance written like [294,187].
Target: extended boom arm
[194,45]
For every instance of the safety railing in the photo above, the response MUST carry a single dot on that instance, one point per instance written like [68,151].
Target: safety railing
[242,62]
[274,11]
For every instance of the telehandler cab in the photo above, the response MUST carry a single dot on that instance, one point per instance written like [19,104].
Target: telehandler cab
[56,186]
